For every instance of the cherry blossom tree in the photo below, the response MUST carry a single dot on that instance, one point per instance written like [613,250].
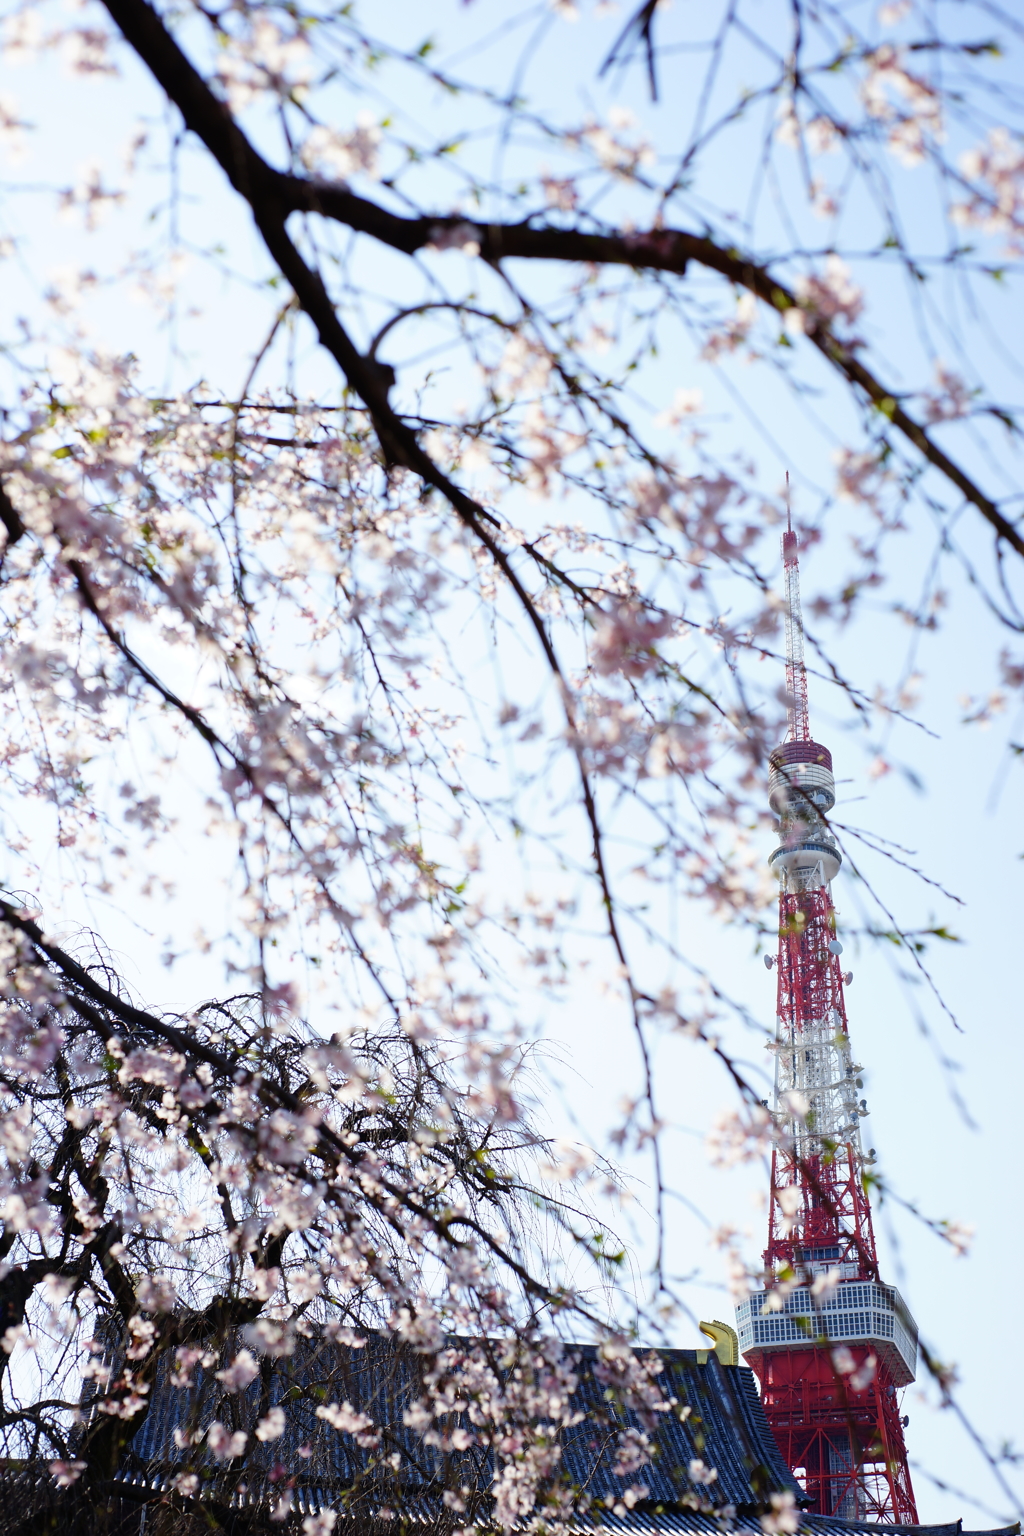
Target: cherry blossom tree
[201,1188]
[439,579]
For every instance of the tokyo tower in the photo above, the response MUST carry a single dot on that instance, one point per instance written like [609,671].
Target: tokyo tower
[831,1344]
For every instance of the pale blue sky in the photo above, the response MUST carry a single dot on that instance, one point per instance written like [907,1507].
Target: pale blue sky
[964,825]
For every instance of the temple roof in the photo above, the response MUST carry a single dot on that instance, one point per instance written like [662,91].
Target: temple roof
[725,1429]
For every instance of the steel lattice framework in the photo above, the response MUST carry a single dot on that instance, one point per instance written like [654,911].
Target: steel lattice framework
[831,1344]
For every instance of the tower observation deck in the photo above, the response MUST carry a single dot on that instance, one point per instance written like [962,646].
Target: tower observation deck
[831,1343]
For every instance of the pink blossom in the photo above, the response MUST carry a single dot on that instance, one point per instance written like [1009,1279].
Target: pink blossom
[735,332]
[612,149]
[739,1136]
[906,101]
[624,641]
[560,193]
[242,1370]
[959,1235]
[860,476]
[701,1474]
[342,155]
[455,237]
[265,1282]
[996,204]
[344,1418]
[784,1517]
[67,1472]
[142,1331]
[864,1375]
[321,1524]
[832,294]
[685,402]
[271,1427]
[225,1445]
[632,1451]
[156,1293]
[951,400]
[282,1000]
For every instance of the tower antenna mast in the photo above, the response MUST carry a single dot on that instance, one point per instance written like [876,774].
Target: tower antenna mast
[796,671]
[831,1343]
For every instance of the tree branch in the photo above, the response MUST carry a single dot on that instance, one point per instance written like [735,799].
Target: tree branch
[273,195]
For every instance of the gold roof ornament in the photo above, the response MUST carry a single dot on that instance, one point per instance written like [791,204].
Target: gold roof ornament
[726,1341]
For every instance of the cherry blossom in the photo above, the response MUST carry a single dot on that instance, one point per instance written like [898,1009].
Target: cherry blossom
[242,1370]
[224,1445]
[784,1516]
[831,294]
[625,639]
[996,166]
[342,155]
[271,1427]
[392,663]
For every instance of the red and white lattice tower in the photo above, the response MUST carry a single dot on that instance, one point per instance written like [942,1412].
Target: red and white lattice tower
[831,1344]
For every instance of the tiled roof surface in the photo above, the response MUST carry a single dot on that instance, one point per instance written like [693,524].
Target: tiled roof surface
[725,1429]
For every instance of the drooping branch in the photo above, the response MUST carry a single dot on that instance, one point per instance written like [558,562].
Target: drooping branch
[265,191]
[100,1009]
